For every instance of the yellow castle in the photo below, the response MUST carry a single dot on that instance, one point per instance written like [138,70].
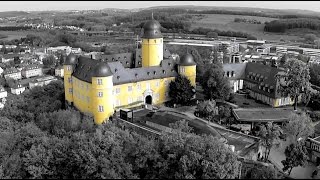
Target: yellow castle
[102,85]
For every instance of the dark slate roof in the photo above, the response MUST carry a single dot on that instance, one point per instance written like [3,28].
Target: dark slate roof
[126,59]
[32,66]
[238,69]
[101,70]
[85,68]
[71,59]
[267,75]
[187,60]
[10,71]
[122,75]
[151,29]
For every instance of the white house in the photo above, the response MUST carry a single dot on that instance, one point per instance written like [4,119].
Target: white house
[59,71]
[17,89]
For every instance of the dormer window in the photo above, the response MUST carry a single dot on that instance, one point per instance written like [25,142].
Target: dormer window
[136,75]
[127,62]
[125,57]
[139,62]
[148,73]
[118,77]
[115,70]
[154,72]
[163,71]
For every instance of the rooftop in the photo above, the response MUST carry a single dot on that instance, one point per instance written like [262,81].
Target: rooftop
[262,114]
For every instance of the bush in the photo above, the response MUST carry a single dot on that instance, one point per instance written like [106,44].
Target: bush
[315,116]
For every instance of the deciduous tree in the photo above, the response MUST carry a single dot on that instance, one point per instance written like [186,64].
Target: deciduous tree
[296,155]
[180,90]
[299,126]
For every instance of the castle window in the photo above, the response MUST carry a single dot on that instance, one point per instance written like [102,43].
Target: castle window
[99,81]
[69,80]
[88,99]
[139,62]
[129,88]
[139,86]
[117,90]
[167,94]
[228,74]
[100,94]
[182,70]
[148,85]
[157,83]
[70,90]
[129,100]
[100,109]
[155,41]
[157,96]
[166,83]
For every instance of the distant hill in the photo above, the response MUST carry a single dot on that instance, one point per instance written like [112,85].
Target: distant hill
[13,13]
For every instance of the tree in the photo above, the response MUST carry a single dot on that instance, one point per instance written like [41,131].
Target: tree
[224,112]
[49,61]
[17,60]
[214,82]
[261,172]
[269,134]
[299,126]
[180,90]
[310,38]
[207,108]
[212,34]
[315,74]
[10,82]
[284,59]
[295,80]
[296,155]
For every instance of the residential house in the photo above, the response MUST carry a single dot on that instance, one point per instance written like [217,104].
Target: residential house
[59,71]
[41,81]
[31,70]
[3,94]
[313,147]
[12,73]
[17,89]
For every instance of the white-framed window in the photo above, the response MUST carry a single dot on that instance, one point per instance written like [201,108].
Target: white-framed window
[70,90]
[100,108]
[100,94]
[166,82]
[88,99]
[148,85]
[157,83]
[138,86]
[68,68]
[139,98]
[118,102]
[129,88]
[99,81]
[129,100]
[182,69]
[157,96]
[117,90]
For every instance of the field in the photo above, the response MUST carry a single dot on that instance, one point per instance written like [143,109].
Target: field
[16,34]
[226,22]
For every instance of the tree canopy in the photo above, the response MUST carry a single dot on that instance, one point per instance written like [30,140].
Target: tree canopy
[180,90]
[295,80]
[299,126]
[214,82]
[296,155]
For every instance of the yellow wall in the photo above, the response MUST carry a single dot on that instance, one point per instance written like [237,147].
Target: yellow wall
[82,95]
[189,72]
[105,101]
[152,52]
[67,83]
[137,96]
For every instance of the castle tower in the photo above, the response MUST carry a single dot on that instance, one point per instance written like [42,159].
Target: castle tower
[152,44]
[101,93]
[69,65]
[187,67]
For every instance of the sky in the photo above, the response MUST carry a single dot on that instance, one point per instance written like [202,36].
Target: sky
[94,5]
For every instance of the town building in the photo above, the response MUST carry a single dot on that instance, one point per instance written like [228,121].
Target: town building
[59,71]
[259,80]
[3,94]
[313,147]
[101,86]
[12,73]
[41,81]
[31,70]
[17,89]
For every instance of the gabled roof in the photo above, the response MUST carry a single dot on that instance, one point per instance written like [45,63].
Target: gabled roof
[10,71]
[238,68]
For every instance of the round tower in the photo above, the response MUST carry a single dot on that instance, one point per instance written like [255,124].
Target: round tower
[152,44]
[69,64]
[187,67]
[101,93]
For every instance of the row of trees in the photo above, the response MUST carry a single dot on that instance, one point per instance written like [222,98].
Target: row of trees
[251,21]
[284,24]
[205,31]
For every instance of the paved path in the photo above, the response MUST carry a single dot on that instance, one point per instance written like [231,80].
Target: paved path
[277,155]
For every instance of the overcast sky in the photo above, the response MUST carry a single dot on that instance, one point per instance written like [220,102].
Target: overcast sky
[87,5]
